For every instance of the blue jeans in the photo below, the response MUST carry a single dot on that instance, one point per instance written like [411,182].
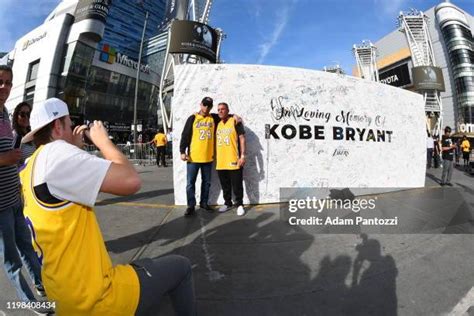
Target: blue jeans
[192,171]
[15,245]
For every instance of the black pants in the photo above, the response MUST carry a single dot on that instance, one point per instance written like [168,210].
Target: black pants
[231,180]
[169,275]
[160,155]
[429,157]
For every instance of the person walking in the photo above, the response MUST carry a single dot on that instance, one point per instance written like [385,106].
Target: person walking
[230,158]
[15,237]
[429,150]
[160,142]
[447,148]
[466,151]
[77,270]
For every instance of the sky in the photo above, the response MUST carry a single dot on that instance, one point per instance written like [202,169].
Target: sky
[294,33]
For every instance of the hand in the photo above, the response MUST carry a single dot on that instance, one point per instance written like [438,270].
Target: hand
[98,134]
[11,157]
[237,119]
[78,135]
[184,157]
[241,161]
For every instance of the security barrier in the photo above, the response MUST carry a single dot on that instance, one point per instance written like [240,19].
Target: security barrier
[138,154]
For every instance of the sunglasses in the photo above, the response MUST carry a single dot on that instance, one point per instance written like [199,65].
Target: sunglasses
[24,114]
[207,105]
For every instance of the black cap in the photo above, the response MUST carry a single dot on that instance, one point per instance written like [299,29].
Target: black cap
[207,101]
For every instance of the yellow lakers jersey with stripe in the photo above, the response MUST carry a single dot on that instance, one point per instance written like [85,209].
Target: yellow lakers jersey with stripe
[201,149]
[227,150]
[160,140]
[76,269]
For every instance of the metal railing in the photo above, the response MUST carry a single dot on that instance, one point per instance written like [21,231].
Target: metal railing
[138,154]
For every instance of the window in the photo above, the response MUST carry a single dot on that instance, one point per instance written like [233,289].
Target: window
[29,95]
[33,70]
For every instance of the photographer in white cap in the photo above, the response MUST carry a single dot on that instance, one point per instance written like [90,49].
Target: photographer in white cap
[60,186]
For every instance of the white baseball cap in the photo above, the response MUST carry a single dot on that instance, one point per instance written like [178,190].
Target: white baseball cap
[43,114]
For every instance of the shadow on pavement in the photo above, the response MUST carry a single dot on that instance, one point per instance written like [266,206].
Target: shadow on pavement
[259,265]
[168,232]
[432,177]
[135,197]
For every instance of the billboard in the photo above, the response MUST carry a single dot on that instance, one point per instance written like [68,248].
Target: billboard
[397,77]
[307,128]
[92,9]
[428,78]
[189,37]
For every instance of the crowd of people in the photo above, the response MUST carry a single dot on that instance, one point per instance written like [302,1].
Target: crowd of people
[446,153]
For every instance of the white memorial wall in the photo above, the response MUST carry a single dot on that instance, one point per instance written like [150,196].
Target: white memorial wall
[306,128]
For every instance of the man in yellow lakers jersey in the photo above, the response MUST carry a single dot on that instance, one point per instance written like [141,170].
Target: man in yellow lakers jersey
[60,184]
[197,148]
[160,142]
[230,158]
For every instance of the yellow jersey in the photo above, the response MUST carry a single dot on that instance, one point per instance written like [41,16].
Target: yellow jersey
[76,269]
[227,145]
[466,146]
[201,149]
[160,140]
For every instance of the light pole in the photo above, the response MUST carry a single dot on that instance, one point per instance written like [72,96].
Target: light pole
[137,81]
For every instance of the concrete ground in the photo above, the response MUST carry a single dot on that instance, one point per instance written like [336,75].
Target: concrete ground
[259,265]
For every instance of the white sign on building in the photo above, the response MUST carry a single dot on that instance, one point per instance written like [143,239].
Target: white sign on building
[307,128]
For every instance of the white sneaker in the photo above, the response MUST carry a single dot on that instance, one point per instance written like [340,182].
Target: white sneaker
[224,208]
[240,210]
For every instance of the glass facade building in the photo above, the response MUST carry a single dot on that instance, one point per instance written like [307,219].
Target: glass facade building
[124,25]
[86,53]
[459,45]
[97,88]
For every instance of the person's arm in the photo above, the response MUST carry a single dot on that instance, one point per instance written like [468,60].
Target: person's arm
[237,119]
[186,136]
[152,141]
[216,118]
[121,178]
[241,161]
[241,132]
[447,148]
[10,158]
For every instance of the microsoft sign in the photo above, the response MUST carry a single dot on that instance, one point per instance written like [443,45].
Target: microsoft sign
[109,55]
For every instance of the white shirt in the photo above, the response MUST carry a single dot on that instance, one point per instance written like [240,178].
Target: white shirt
[70,173]
[429,142]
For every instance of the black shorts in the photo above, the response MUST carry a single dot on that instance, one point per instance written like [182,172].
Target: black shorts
[465,155]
